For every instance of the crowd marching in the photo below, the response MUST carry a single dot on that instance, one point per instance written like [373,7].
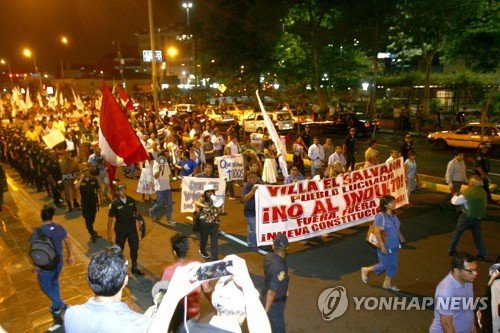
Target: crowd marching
[75,175]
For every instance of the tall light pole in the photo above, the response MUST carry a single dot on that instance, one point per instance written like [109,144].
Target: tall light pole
[188,6]
[64,42]
[120,58]
[154,78]
[5,62]
[28,54]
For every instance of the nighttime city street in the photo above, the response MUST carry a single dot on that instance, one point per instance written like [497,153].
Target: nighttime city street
[249,166]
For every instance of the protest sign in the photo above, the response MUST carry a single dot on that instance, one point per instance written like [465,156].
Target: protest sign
[311,208]
[192,190]
[53,138]
[230,167]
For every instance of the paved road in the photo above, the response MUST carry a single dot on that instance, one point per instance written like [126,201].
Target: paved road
[430,160]
[320,264]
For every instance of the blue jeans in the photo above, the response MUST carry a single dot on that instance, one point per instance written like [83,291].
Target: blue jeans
[49,283]
[251,235]
[163,198]
[463,224]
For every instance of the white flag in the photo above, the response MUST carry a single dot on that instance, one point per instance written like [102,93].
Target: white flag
[40,100]
[273,134]
[29,103]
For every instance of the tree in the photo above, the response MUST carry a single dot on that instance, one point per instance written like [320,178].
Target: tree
[423,26]
[367,24]
[239,33]
[476,44]
[310,21]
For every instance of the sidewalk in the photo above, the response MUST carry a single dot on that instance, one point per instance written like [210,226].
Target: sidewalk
[23,307]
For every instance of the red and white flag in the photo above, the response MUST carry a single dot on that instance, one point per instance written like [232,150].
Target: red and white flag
[118,142]
[126,101]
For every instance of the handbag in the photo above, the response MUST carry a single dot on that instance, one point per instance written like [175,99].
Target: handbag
[370,235]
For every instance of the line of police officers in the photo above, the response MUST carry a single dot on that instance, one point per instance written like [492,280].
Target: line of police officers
[41,167]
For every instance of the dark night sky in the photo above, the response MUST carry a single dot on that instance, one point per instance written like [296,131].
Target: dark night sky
[91,26]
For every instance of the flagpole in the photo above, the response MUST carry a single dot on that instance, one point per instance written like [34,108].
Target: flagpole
[153,60]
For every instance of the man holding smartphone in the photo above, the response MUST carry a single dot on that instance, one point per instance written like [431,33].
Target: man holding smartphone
[276,282]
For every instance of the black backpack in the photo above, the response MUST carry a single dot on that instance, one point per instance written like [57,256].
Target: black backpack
[43,252]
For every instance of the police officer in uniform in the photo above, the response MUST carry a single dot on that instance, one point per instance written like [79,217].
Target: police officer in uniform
[407,146]
[70,172]
[276,284]
[482,167]
[124,211]
[90,193]
[54,177]
[350,148]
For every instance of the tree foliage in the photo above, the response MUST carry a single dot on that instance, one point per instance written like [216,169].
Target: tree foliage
[238,33]
[477,43]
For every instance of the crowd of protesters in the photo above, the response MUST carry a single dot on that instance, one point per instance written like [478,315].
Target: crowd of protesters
[189,147]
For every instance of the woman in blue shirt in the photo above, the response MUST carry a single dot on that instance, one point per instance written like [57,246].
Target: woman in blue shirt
[388,251]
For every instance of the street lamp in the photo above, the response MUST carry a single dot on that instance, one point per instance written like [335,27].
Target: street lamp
[4,62]
[28,54]
[64,41]
[172,52]
[187,6]
[120,58]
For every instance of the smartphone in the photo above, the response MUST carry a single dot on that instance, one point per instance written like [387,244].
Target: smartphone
[213,270]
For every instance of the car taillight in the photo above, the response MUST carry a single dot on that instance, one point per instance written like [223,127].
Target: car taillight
[367,124]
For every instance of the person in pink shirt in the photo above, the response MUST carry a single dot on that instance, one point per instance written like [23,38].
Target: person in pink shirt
[180,246]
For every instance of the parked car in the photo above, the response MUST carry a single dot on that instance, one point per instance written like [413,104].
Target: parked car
[469,136]
[301,116]
[281,119]
[220,117]
[238,111]
[341,122]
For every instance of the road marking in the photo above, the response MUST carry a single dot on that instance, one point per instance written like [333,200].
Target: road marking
[11,184]
[237,240]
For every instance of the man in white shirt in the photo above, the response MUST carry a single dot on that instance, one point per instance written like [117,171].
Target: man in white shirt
[316,155]
[152,139]
[455,176]
[218,142]
[161,172]
[234,146]
[338,156]
[394,155]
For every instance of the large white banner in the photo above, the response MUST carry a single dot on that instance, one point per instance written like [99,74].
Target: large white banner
[230,167]
[192,190]
[311,208]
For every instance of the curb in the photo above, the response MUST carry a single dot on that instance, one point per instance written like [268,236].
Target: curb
[444,188]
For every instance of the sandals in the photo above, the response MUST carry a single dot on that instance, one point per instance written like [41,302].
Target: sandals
[393,288]
[364,275]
